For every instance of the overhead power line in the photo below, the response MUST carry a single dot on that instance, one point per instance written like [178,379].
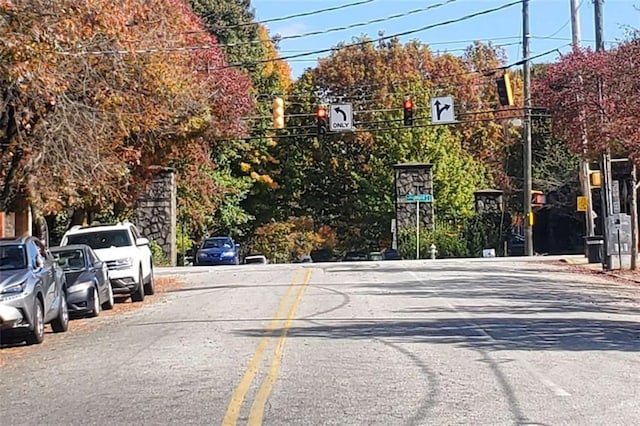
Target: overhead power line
[296,15]
[388,37]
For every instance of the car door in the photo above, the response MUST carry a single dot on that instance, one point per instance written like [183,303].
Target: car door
[145,252]
[99,268]
[44,272]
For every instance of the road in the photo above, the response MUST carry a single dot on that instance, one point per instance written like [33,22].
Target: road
[477,342]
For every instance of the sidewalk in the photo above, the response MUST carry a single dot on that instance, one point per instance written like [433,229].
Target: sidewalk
[581,262]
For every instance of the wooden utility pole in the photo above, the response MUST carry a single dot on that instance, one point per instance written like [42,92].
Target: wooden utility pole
[584,163]
[526,130]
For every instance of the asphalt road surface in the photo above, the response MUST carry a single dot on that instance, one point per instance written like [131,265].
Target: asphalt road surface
[480,342]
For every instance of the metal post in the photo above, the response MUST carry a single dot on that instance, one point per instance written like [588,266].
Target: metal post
[417,230]
[634,218]
[528,224]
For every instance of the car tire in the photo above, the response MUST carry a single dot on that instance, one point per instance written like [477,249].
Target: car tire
[61,323]
[149,287]
[95,311]
[108,305]
[36,336]
[138,294]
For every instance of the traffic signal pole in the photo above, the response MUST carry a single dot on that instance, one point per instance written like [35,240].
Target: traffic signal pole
[526,130]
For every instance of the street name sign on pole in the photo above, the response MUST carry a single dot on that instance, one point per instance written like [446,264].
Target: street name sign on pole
[442,111]
[418,198]
[341,117]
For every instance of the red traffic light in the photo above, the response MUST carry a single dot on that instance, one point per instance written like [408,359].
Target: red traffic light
[408,104]
[321,113]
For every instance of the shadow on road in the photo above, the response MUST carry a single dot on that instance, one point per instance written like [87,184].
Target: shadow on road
[487,333]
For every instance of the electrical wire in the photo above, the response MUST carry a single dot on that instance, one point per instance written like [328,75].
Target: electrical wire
[296,15]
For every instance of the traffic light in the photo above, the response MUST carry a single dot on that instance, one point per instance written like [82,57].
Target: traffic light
[505,95]
[278,113]
[407,105]
[321,119]
[595,178]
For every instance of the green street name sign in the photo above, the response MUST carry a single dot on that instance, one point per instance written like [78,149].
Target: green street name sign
[419,198]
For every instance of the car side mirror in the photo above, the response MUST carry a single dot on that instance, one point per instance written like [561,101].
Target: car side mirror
[98,265]
[39,262]
[142,242]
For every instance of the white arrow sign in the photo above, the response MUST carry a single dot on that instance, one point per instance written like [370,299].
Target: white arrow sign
[341,117]
[442,110]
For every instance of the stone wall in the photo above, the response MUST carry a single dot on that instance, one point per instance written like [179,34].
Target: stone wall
[156,212]
[488,200]
[413,178]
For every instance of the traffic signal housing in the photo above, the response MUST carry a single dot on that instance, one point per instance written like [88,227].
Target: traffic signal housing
[278,113]
[407,107]
[321,121]
[505,94]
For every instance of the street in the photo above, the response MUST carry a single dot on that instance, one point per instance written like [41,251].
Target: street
[445,342]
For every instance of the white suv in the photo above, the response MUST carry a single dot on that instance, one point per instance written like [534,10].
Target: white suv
[124,250]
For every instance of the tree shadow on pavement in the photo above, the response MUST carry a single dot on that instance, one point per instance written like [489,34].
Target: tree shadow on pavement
[486,333]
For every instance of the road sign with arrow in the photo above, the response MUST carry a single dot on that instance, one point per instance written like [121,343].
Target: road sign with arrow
[341,117]
[442,110]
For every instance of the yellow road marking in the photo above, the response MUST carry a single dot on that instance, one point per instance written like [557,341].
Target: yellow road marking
[233,410]
[257,408]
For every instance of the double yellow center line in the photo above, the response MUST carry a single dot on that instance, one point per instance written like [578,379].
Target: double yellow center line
[237,398]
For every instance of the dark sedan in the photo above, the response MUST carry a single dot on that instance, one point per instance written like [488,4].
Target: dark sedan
[218,251]
[32,289]
[88,286]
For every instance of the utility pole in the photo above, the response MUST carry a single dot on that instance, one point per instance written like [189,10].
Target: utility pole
[526,129]
[584,164]
[606,189]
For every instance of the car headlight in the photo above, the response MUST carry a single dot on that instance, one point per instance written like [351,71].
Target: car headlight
[80,287]
[127,261]
[12,289]
[228,254]
[201,254]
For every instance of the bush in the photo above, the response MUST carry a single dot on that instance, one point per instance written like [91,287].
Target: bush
[158,256]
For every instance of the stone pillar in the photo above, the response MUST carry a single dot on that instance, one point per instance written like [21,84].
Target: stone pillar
[156,212]
[488,200]
[413,179]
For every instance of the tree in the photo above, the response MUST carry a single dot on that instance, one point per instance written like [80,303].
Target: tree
[104,90]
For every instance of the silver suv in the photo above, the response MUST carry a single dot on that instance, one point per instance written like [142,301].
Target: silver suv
[126,253]
[32,289]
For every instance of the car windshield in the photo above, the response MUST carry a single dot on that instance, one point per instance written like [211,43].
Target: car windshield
[70,259]
[12,257]
[217,243]
[101,239]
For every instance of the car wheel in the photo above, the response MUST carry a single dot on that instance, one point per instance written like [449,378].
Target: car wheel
[61,322]
[37,334]
[149,286]
[138,294]
[95,309]
[108,305]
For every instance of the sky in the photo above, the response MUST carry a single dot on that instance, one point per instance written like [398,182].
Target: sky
[550,25]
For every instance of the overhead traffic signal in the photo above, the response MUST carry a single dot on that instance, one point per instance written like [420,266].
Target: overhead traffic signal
[278,113]
[505,95]
[321,120]
[407,106]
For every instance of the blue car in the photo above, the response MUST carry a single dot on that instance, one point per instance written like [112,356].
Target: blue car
[218,251]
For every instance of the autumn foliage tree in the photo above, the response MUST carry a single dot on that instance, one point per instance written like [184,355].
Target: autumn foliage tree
[96,92]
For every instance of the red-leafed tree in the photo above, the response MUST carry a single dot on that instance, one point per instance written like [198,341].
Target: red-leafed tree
[596,93]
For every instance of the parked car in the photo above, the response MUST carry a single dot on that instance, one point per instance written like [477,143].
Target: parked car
[391,254]
[32,289]
[218,251]
[88,286]
[375,255]
[354,256]
[126,253]
[255,258]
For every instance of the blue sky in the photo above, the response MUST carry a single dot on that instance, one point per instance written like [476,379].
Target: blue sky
[549,22]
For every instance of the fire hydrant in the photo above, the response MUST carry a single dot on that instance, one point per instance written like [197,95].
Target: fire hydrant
[433,251]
